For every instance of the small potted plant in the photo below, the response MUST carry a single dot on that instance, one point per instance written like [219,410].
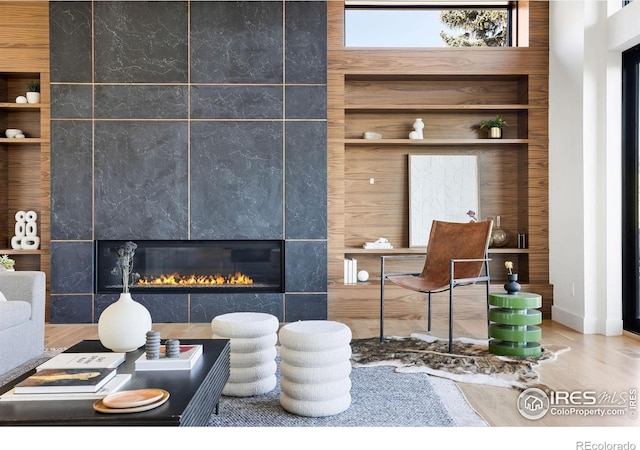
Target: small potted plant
[494,126]
[6,263]
[33,92]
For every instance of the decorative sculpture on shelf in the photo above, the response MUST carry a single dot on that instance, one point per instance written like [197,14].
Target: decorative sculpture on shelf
[26,231]
[418,126]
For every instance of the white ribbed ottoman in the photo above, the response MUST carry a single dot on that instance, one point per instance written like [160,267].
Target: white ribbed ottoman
[252,340]
[315,367]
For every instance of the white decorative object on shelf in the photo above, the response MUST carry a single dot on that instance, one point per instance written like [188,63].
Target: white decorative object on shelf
[33,92]
[363,275]
[371,135]
[381,243]
[21,99]
[12,133]
[418,126]
[26,231]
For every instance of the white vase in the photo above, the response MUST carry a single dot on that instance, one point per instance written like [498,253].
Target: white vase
[123,325]
[33,97]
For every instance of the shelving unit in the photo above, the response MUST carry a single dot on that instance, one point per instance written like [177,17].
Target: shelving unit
[452,91]
[376,169]
[24,166]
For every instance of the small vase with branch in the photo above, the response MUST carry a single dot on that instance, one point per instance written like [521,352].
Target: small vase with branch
[124,265]
[123,325]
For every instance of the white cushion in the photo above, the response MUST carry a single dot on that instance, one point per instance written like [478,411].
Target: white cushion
[244,324]
[2,297]
[316,409]
[315,374]
[250,345]
[316,392]
[250,374]
[254,358]
[314,335]
[250,389]
[315,359]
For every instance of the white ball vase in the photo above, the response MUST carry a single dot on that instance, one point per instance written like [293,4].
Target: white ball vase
[123,325]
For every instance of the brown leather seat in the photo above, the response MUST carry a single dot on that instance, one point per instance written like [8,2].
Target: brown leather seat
[456,256]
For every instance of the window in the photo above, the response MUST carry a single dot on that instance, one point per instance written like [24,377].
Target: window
[630,194]
[428,24]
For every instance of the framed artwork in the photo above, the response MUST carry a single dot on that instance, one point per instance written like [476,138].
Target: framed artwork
[441,187]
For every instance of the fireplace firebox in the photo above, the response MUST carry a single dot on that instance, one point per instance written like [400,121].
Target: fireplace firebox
[193,266]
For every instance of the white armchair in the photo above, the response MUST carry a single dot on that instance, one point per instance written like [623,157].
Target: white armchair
[21,317]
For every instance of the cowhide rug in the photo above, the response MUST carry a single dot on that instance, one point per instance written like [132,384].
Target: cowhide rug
[469,362]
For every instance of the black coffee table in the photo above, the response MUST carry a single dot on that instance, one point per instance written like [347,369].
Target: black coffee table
[194,394]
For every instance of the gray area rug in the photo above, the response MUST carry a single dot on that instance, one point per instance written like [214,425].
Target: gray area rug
[380,397]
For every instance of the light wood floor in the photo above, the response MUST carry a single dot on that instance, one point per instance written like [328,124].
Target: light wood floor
[604,365]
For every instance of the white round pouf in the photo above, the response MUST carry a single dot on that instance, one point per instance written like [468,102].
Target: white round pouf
[315,368]
[252,339]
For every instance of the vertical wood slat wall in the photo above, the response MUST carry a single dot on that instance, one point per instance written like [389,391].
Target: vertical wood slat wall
[25,167]
[513,175]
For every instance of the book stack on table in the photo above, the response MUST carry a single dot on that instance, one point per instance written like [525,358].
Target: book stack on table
[72,376]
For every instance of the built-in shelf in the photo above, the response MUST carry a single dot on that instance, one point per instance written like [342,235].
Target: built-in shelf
[417,108]
[21,106]
[26,164]
[12,251]
[21,141]
[421,250]
[427,142]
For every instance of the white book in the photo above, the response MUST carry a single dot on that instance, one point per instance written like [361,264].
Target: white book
[346,271]
[100,360]
[189,356]
[49,381]
[354,271]
[114,385]
[349,272]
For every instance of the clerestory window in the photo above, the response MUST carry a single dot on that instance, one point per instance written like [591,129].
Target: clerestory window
[428,24]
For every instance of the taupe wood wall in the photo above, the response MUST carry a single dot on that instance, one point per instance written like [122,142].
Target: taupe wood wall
[524,189]
[24,50]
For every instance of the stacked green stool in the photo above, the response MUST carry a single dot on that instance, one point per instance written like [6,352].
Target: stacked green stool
[513,324]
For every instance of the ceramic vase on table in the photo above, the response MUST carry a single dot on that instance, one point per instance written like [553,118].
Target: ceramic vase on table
[123,325]
[512,286]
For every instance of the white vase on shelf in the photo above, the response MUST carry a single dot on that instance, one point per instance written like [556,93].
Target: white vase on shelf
[33,97]
[123,325]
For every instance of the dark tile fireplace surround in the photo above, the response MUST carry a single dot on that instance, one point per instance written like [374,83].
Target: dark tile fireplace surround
[188,121]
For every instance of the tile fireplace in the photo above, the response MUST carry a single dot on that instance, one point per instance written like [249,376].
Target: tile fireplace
[193,266]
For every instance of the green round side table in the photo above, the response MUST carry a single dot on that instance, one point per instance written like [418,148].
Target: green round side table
[513,324]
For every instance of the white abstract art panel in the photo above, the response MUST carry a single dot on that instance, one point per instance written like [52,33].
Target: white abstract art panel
[441,187]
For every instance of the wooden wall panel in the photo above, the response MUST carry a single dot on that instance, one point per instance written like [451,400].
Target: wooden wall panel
[378,88]
[25,168]
[24,36]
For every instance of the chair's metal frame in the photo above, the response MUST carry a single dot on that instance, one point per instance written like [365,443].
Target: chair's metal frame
[453,282]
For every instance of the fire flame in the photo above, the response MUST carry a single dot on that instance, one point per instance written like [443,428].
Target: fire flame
[176,279]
